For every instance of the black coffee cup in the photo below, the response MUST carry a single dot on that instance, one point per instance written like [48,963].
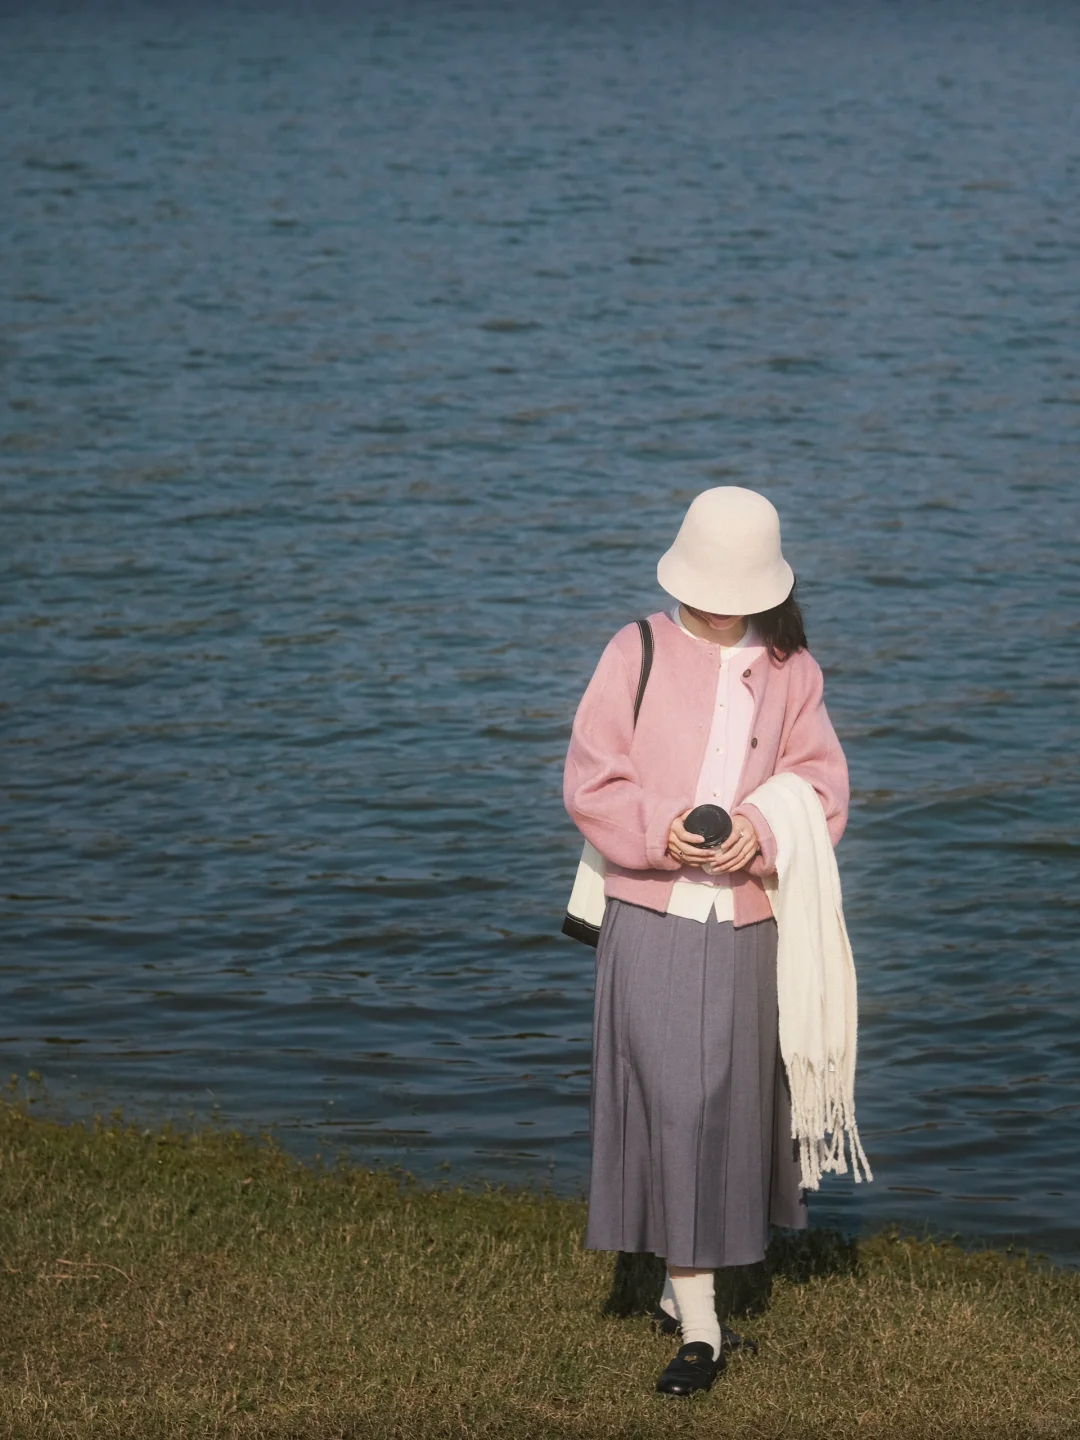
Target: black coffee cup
[711,822]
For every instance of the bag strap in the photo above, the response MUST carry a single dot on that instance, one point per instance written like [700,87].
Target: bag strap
[646,663]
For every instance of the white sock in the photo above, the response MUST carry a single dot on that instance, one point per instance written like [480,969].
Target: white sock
[696,1300]
[668,1303]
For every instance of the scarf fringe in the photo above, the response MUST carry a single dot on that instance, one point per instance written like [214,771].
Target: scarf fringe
[823,1119]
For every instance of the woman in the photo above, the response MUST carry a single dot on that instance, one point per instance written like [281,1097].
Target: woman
[692,1157]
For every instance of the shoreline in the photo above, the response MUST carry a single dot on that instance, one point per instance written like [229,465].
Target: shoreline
[177,1284]
[307,1147]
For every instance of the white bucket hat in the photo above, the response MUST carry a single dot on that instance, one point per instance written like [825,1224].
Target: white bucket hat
[726,557]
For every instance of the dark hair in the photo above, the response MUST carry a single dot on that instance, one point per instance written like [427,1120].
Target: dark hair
[781,628]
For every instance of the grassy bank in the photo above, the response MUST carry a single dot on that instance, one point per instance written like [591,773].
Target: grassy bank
[159,1286]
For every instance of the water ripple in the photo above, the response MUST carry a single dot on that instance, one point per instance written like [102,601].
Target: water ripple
[356,369]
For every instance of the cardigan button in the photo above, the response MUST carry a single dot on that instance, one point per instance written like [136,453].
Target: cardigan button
[753,743]
[746,674]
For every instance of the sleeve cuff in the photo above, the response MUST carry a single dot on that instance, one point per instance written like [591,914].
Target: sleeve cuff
[763,863]
[656,836]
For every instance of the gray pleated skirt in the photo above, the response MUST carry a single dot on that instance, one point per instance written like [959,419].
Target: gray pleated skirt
[690,1118]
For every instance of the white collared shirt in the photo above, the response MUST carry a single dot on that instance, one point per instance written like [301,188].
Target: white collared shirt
[693,896]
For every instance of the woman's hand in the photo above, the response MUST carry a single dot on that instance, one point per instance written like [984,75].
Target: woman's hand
[737,850]
[685,847]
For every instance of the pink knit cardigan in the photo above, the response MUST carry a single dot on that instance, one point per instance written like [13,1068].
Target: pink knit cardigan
[623,785]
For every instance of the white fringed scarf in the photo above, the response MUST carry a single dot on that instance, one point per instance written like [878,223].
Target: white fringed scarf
[815,973]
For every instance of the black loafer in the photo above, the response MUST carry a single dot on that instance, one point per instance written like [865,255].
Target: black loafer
[729,1339]
[692,1369]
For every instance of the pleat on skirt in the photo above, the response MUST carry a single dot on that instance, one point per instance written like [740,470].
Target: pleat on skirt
[690,1116]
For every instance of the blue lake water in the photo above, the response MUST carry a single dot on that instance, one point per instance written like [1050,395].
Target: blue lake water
[356,364]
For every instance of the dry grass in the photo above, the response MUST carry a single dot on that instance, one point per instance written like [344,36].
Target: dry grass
[160,1286]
